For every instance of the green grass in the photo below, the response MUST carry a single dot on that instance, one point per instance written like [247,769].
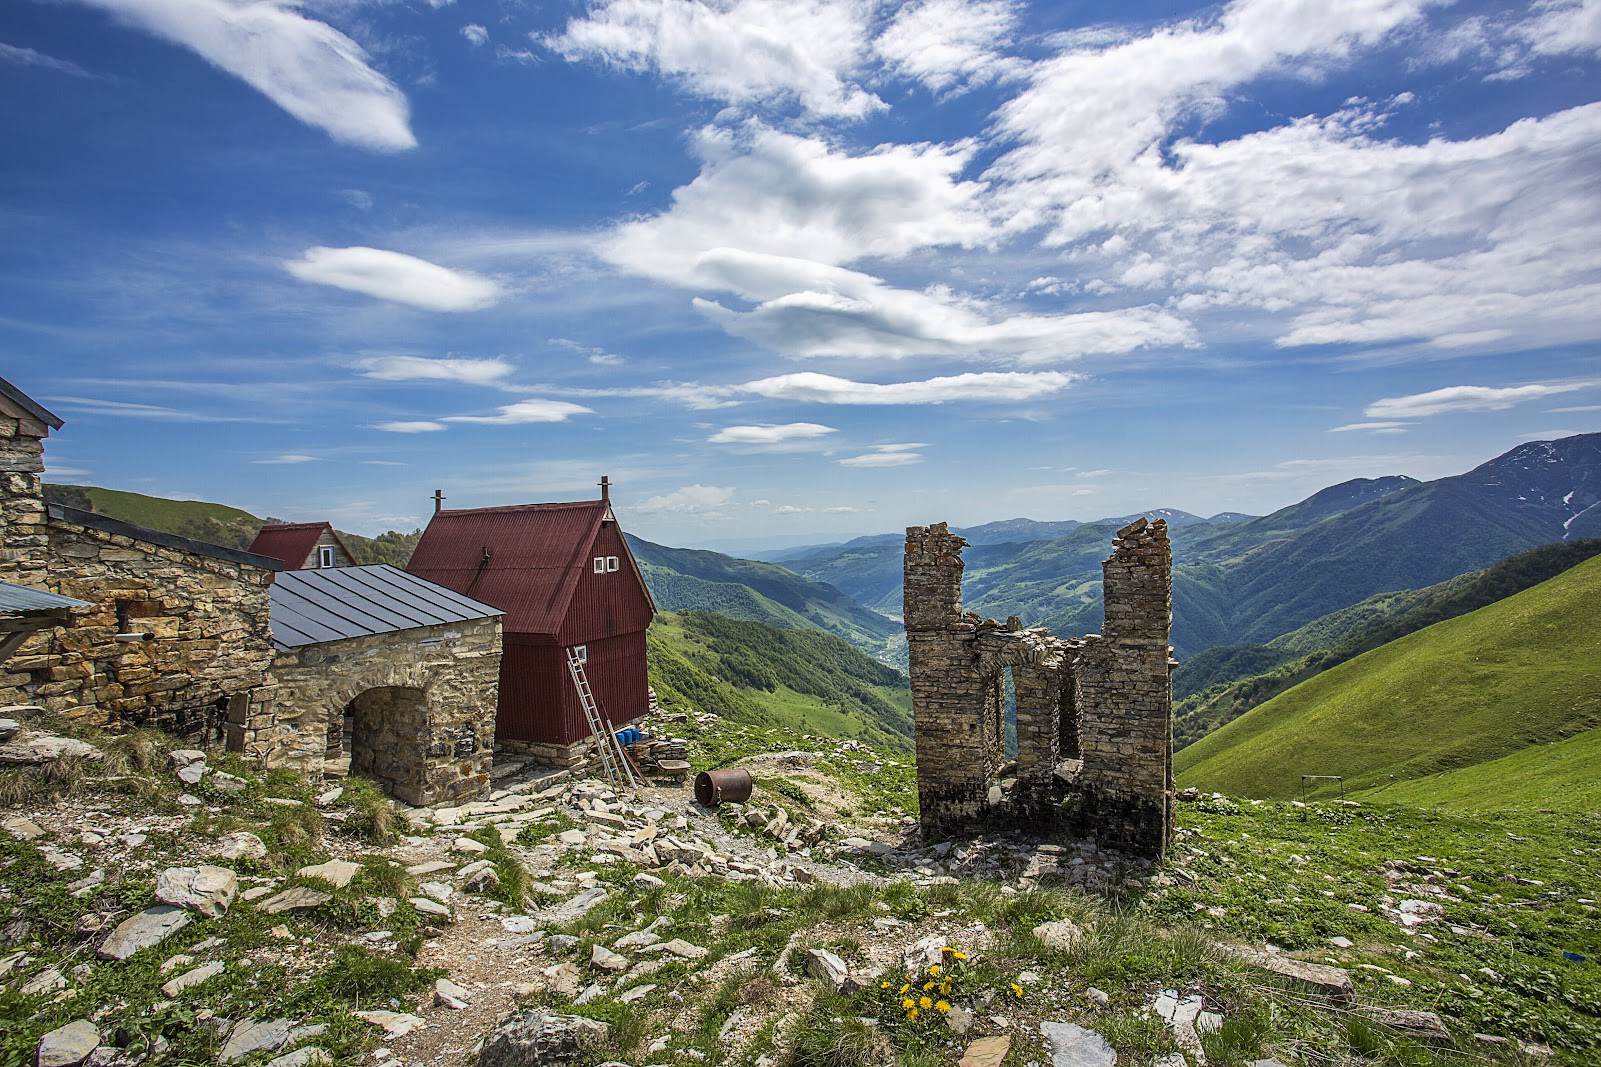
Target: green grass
[1562,776]
[1468,691]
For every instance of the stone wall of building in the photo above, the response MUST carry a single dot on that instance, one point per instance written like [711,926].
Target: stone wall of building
[1094,715]
[424,709]
[22,509]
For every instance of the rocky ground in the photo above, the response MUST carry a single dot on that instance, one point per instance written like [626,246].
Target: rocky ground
[163,904]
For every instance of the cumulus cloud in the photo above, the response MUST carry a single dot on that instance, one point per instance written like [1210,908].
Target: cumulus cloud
[1463,398]
[765,191]
[771,435]
[395,276]
[950,44]
[414,426]
[421,368]
[1563,27]
[293,457]
[476,35]
[754,52]
[689,499]
[306,67]
[991,386]
[525,411]
[891,455]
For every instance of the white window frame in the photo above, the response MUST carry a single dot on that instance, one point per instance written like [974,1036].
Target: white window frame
[600,564]
[325,556]
[612,564]
[581,652]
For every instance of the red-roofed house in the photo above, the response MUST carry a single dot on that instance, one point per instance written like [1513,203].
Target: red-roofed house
[302,545]
[565,578]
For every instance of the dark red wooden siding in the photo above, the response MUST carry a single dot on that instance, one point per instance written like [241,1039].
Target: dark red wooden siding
[538,702]
[606,605]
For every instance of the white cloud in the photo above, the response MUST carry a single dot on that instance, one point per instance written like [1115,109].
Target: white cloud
[791,509]
[359,199]
[1462,398]
[476,35]
[689,499]
[764,191]
[947,44]
[1371,427]
[306,67]
[1574,409]
[395,276]
[1563,27]
[420,368]
[987,386]
[28,57]
[770,435]
[126,409]
[415,426]
[890,455]
[293,457]
[525,411]
[756,52]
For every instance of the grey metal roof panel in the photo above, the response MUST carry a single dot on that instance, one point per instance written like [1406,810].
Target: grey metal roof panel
[311,607]
[20,598]
[29,404]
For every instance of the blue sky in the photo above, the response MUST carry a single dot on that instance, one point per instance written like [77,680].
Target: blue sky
[796,269]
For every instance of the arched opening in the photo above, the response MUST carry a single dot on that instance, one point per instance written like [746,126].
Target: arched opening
[385,734]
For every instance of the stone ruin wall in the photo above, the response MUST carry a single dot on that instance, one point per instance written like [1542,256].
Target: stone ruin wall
[210,670]
[1094,714]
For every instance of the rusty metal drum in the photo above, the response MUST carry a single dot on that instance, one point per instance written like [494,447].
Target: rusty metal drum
[731,784]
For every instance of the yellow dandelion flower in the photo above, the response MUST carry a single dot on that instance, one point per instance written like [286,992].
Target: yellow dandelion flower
[926,1002]
[911,1016]
[943,1005]
[1017,991]
[908,1003]
[946,948]
[883,985]
[934,970]
[945,989]
[906,987]
[927,986]
[959,955]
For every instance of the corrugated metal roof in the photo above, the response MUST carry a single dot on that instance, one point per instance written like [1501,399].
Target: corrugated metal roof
[21,599]
[330,604]
[292,542]
[536,554]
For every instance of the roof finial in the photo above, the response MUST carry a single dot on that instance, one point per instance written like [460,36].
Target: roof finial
[439,501]
[605,489]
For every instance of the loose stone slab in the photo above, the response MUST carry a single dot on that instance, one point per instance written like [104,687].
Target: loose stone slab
[150,927]
[986,1052]
[192,978]
[302,1057]
[1074,1046]
[67,1046]
[607,960]
[432,908]
[20,826]
[678,947]
[417,870]
[295,898]
[1331,982]
[205,889]
[248,1035]
[394,1023]
[448,994]
[45,750]
[336,873]
[241,845]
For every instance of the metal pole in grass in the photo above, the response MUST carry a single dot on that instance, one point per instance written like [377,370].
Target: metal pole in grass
[1322,777]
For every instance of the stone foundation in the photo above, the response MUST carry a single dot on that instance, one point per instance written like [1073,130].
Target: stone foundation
[1094,714]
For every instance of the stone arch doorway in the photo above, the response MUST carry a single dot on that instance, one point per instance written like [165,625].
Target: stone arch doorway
[388,739]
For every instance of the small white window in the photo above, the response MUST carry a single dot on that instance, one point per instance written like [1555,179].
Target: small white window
[611,563]
[325,555]
[581,652]
[600,564]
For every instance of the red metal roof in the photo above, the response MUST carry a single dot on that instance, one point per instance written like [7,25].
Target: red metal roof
[293,542]
[536,554]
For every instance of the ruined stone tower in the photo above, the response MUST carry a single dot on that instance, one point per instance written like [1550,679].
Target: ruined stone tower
[1094,714]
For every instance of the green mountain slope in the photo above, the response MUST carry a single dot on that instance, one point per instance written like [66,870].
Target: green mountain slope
[215,524]
[683,579]
[804,680]
[1523,671]
[1207,696]
[1563,776]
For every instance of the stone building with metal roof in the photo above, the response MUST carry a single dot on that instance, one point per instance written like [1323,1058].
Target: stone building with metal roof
[395,675]
[303,545]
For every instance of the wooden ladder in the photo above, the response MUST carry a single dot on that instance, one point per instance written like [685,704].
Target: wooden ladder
[619,772]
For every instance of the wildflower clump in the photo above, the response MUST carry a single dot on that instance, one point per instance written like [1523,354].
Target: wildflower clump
[923,1000]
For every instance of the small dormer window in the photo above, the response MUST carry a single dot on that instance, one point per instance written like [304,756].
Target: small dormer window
[600,564]
[611,564]
[325,555]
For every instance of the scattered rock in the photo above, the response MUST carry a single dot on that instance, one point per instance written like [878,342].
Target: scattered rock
[331,797]
[678,947]
[538,1037]
[69,1045]
[8,729]
[578,906]
[432,909]
[192,978]
[986,1052]
[241,845]
[228,783]
[647,882]
[468,846]
[435,890]
[1332,983]
[448,994]
[295,898]
[309,1056]
[483,880]
[248,1035]
[394,1023]
[1062,934]
[336,873]
[44,749]
[825,965]
[1074,1046]
[1424,1027]
[417,870]
[205,890]
[959,1021]
[607,960]
[48,980]
[22,827]
[149,927]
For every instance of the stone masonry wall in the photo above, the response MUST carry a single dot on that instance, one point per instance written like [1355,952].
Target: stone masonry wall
[1094,715]
[22,509]
[424,716]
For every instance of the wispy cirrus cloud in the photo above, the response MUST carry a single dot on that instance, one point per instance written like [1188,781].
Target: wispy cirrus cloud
[771,435]
[425,368]
[1372,427]
[159,413]
[28,57]
[411,426]
[890,455]
[397,277]
[308,68]
[287,459]
[986,386]
[525,411]
[1464,398]
[949,45]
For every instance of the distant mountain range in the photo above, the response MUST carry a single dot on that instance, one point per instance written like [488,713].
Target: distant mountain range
[1247,582]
